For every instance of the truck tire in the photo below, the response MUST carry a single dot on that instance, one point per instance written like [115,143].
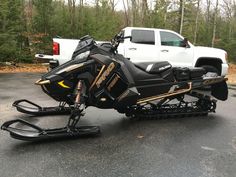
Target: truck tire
[211,69]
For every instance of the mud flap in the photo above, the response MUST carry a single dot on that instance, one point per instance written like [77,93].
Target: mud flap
[220,90]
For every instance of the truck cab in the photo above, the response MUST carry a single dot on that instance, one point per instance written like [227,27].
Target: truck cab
[150,44]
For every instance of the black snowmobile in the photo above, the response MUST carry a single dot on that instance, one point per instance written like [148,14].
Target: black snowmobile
[98,76]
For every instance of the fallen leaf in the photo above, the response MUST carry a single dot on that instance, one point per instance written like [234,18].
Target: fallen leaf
[140,136]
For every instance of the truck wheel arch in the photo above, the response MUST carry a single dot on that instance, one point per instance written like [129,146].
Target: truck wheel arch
[214,62]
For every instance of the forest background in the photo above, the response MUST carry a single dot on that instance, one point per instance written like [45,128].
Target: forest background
[28,26]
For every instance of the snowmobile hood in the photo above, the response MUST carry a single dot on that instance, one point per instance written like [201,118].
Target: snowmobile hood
[60,72]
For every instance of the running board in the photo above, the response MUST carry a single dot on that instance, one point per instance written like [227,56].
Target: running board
[37,110]
[35,133]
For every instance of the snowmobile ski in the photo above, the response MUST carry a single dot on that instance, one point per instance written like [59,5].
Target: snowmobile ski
[28,107]
[36,133]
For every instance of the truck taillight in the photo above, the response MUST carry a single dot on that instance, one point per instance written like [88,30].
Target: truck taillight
[56,48]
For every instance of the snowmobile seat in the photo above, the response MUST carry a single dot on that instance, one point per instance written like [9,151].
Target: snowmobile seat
[154,67]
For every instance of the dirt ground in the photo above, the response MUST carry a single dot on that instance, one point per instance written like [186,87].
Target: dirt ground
[23,68]
[232,74]
[42,68]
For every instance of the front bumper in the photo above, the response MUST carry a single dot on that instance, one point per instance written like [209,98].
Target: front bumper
[224,69]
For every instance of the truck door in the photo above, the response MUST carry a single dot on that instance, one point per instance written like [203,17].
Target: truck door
[172,50]
[141,48]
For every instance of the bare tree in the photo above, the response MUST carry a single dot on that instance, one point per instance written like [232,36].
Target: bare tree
[126,10]
[144,12]
[81,16]
[71,6]
[181,14]
[113,4]
[214,24]
[228,8]
[165,12]
[208,2]
[133,13]
[196,22]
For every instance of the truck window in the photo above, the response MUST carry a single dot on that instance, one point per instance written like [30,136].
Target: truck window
[143,37]
[170,39]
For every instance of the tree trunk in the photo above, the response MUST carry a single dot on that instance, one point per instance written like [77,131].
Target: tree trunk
[208,10]
[165,14]
[81,17]
[126,14]
[196,22]
[228,6]
[112,4]
[208,26]
[181,14]
[71,6]
[133,12]
[214,24]
[144,12]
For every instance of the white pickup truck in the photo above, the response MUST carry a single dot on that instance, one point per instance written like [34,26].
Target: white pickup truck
[150,44]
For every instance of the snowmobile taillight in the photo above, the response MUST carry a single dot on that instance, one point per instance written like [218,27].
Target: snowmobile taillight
[42,82]
[56,48]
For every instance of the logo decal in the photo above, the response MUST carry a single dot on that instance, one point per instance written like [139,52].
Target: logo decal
[61,83]
[105,74]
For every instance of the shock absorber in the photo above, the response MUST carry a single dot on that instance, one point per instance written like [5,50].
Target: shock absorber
[79,90]
[78,108]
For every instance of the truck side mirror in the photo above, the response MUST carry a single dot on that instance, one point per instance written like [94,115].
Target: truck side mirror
[185,43]
[128,37]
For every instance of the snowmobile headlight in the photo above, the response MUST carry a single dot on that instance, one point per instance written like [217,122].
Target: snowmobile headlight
[82,55]
[42,82]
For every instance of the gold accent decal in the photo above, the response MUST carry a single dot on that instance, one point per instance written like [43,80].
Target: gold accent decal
[70,68]
[99,74]
[113,82]
[123,95]
[105,74]
[152,98]
[61,83]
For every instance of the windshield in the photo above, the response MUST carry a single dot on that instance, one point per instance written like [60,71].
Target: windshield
[84,45]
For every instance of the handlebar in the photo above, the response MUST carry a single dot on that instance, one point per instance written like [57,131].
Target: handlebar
[117,39]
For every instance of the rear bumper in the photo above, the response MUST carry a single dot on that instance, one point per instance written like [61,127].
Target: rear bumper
[224,69]
[48,59]
[44,57]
